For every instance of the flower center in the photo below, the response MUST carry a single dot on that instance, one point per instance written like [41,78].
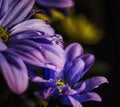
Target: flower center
[60,85]
[3,34]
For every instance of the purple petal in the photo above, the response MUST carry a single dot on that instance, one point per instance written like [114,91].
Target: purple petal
[17,12]
[3,47]
[64,99]
[89,60]
[79,87]
[3,8]
[14,72]
[33,24]
[91,83]
[26,35]
[74,102]
[42,82]
[68,91]
[68,100]
[35,35]
[56,3]
[73,51]
[45,94]
[72,71]
[31,36]
[49,74]
[39,54]
[54,54]
[90,96]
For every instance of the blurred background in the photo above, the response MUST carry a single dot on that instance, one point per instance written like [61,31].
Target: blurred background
[95,25]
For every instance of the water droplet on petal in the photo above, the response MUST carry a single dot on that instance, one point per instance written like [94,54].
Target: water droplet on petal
[53,41]
[39,33]
[39,47]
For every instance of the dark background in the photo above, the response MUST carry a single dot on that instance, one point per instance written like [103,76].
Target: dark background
[106,13]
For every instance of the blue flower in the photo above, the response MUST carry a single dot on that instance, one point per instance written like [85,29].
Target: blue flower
[60,5]
[24,43]
[69,88]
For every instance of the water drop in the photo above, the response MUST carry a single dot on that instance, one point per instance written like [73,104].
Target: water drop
[59,36]
[39,47]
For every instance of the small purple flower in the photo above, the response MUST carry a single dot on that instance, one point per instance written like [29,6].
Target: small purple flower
[61,5]
[25,42]
[67,87]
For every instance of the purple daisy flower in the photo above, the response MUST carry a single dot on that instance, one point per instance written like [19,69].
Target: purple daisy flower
[60,5]
[68,87]
[25,42]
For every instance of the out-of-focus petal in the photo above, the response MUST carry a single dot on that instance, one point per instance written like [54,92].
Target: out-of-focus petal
[90,96]
[56,3]
[91,83]
[33,24]
[45,94]
[14,71]
[73,51]
[17,12]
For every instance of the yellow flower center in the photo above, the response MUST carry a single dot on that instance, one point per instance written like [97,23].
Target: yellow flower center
[60,85]
[3,34]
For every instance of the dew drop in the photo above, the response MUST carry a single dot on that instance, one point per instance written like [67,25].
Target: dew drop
[59,36]
[39,47]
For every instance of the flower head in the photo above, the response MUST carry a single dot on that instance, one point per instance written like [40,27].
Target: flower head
[61,5]
[25,42]
[68,87]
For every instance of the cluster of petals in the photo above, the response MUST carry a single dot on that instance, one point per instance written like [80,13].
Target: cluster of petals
[31,42]
[68,87]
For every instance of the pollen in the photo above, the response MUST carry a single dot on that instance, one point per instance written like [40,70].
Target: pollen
[60,85]
[3,34]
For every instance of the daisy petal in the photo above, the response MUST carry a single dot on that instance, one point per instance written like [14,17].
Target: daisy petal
[17,12]
[91,83]
[33,24]
[73,51]
[3,8]
[68,100]
[2,46]
[14,72]
[45,94]
[72,71]
[90,96]
[39,54]
[74,102]
[89,60]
